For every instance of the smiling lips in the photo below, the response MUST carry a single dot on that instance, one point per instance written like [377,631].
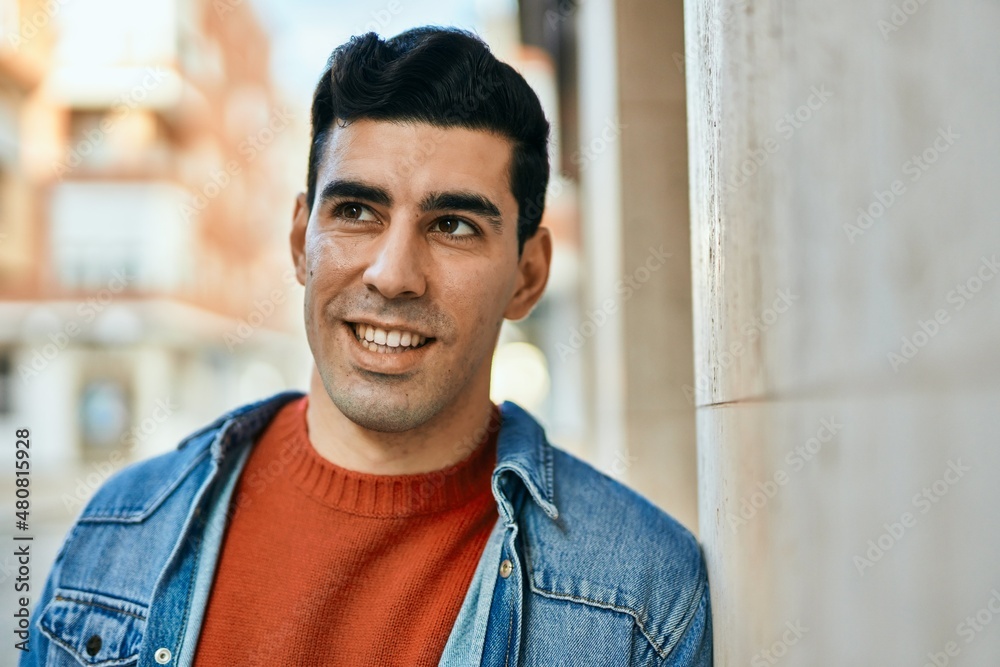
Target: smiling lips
[391,341]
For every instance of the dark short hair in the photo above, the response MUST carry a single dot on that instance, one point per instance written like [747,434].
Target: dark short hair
[445,77]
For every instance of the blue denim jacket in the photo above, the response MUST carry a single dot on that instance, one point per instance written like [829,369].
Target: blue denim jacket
[600,576]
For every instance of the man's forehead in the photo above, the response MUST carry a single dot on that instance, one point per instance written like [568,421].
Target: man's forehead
[419,157]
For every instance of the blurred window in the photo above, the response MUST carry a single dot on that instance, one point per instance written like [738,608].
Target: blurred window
[104,416]
[120,236]
[118,139]
[108,33]
[9,17]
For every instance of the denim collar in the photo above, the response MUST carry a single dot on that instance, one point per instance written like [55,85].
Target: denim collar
[522,448]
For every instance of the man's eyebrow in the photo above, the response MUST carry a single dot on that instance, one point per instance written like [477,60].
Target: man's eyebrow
[355,190]
[470,202]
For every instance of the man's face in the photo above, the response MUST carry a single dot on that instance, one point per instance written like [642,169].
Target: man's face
[409,258]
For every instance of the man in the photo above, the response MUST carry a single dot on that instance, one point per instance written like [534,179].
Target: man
[394,515]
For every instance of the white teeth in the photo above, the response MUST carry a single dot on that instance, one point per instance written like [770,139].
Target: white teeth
[380,340]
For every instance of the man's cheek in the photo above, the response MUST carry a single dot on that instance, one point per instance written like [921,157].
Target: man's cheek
[330,251]
[329,273]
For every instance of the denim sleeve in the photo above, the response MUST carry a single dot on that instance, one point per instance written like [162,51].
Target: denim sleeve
[695,647]
[38,644]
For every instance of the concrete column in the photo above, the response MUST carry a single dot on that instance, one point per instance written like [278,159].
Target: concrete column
[655,242]
[846,235]
[633,166]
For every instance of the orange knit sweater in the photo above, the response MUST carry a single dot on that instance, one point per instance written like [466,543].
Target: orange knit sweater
[327,566]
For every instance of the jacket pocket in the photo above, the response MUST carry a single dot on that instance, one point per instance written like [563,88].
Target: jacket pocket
[95,630]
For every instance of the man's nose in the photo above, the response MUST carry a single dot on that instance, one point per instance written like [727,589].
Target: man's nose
[397,267]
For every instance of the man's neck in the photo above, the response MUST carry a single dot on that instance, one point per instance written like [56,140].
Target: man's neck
[433,446]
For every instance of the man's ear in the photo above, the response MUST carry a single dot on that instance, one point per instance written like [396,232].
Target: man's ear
[300,220]
[532,274]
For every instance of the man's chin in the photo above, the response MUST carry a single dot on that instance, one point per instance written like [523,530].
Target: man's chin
[385,407]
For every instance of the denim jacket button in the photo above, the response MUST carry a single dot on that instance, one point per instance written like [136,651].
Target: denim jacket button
[93,645]
[162,655]
[505,568]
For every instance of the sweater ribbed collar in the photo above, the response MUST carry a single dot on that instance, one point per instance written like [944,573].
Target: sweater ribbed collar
[384,496]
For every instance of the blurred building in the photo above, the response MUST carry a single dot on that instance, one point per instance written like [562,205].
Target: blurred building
[143,272]
[21,71]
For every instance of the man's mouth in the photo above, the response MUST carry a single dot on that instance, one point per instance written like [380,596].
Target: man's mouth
[387,341]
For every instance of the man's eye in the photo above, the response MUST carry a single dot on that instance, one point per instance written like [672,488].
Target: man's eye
[454,227]
[353,212]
